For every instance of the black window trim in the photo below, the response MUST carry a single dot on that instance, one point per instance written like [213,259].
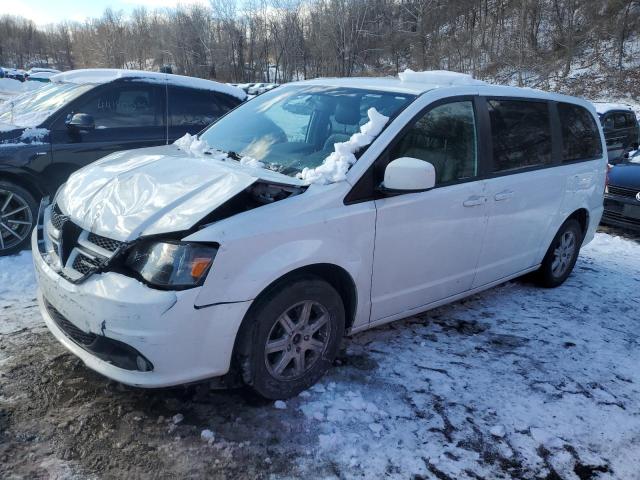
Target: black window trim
[365,188]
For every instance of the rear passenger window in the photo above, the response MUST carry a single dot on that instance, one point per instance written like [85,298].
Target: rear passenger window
[580,136]
[619,120]
[198,108]
[521,134]
[445,137]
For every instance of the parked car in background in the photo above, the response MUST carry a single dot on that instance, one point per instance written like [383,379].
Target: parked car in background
[622,196]
[1,72]
[16,74]
[35,70]
[175,264]
[620,129]
[83,115]
[44,77]
[267,87]
[255,88]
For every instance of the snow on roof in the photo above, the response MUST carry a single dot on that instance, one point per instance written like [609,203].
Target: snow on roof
[604,107]
[406,82]
[105,75]
[440,78]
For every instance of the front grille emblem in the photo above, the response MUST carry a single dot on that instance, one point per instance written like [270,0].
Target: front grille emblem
[638,196]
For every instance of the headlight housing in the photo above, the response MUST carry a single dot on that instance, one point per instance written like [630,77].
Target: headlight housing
[171,265]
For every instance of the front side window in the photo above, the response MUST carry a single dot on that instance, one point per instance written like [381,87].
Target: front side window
[296,127]
[125,106]
[580,136]
[446,137]
[520,132]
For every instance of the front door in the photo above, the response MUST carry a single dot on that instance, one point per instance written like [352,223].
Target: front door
[427,244]
[126,116]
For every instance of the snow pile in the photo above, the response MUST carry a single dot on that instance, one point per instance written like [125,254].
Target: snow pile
[334,168]
[439,77]
[105,75]
[192,145]
[251,162]
[280,405]
[197,147]
[34,135]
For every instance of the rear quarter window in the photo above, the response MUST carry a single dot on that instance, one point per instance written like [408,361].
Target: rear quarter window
[520,133]
[198,108]
[580,136]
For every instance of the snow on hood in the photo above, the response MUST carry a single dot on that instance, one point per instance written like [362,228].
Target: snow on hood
[154,190]
[104,75]
[439,77]
[334,168]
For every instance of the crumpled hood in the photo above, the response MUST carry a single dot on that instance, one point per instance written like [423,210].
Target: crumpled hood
[154,190]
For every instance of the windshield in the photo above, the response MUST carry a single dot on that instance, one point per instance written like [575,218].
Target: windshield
[32,108]
[292,128]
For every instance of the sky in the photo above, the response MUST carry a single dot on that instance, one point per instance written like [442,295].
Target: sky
[43,12]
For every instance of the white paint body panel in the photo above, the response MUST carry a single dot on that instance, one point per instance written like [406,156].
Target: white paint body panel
[405,254]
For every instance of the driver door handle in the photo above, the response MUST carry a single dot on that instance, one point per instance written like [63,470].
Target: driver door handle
[504,195]
[474,201]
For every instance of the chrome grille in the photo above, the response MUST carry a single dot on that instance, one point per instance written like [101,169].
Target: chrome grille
[623,191]
[57,218]
[104,242]
[75,253]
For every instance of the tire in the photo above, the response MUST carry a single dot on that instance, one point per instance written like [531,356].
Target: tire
[561,257]
[300,349]
[18,214]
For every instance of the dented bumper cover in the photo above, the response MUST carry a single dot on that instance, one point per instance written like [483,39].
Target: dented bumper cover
[180,343]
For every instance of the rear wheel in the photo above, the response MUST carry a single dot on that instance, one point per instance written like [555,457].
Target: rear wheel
[561,257]
[291,337]
[18,210]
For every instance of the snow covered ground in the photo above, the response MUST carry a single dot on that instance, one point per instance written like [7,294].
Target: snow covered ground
[516,382]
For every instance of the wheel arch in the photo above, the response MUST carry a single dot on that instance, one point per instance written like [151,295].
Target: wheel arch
[581,215]
[24,181]
[333,274]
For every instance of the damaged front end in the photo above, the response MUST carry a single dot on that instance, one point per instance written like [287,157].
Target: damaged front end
[161,261]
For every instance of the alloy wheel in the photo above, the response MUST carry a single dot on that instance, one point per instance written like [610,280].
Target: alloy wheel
[297,340]
[16,219]
[563,253]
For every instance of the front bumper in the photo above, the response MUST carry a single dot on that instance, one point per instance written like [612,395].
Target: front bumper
[181,344]
[621,211]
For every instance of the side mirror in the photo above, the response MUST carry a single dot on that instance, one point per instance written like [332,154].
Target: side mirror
[81,121]
[406,174]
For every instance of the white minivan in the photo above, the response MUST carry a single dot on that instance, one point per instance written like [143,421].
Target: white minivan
[319,209]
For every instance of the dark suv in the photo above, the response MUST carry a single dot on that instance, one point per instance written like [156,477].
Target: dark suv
[620,129]
[81,116]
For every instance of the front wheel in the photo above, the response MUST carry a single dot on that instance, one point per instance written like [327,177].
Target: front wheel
[18,211]
[291,337]
[561,257]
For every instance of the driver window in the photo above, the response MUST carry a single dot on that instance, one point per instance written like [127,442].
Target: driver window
[124,106]
[446,137]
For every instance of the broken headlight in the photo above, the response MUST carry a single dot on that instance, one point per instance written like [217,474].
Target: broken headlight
[173,265]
